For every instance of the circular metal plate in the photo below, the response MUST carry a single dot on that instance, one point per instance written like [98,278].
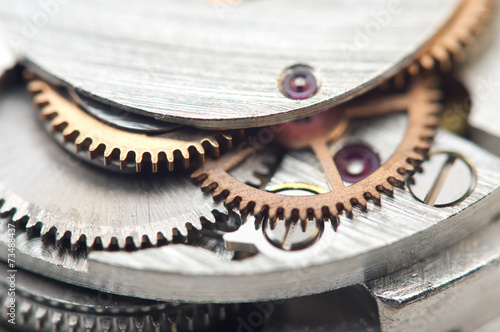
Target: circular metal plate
[217,63]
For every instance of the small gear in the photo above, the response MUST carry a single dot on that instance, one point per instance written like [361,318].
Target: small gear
[102,139]
[421,104]
[455,38]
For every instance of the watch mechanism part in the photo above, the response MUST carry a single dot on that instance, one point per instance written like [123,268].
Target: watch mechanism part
[453,40]
[219,72]
[69,199]
[120,118]
[111,143]
[362,246]
[421,104]
[47,305]
[437,185]
[481,76]
[454,290]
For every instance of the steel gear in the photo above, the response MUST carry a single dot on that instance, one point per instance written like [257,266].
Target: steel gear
[420,103]
[101,139]
[47,305]
[74,201]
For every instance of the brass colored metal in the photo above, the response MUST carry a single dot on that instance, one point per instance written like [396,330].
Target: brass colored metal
[420,103]
[455,38]
[99,138]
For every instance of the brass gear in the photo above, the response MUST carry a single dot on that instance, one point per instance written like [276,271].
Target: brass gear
[451,43]
[421,104]
[101,139]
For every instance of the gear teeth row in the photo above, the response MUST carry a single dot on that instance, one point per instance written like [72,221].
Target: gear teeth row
[457,37]
[37,317]
[113,144]
[19,215]
[452,43]
[424,100]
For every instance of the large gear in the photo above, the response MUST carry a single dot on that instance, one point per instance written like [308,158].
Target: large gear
[420,103]
[85,203]
[47,305]
[455,38]
[102,139]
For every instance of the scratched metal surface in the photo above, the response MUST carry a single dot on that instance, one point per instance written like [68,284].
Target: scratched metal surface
[216,63]
[371,244]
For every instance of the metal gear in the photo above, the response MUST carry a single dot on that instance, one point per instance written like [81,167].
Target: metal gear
[85,204]
[456,37]
[47,305]
[420,103]
[102,139]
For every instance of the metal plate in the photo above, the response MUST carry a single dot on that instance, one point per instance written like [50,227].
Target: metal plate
[216,63]
[381,240]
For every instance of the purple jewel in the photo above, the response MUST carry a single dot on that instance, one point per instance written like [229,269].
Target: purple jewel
[299,83]
[356,161]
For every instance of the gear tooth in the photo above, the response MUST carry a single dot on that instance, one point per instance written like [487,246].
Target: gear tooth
[361,201]
[217,191]
[73,322]
[106,323]
[385,188]
[79,141]
[427,62]
[40,99]
[41,316]
[36,86]
[47,112]
[415,156]
[124,155]
[25,310]
[170,157]
[89,322]
[56,320]
[231,197]
[207,183]
[122,323]
[138,162]
[199,149]
[123,159]
[258,208]
[94,146]
[154,167]
[108,155]
[139,323]
[304,215]
[347,206]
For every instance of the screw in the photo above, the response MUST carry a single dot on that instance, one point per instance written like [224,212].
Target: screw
[290,236]
[298,82]
[447,179]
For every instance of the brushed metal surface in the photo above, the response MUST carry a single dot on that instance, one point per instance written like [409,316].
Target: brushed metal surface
[456,290]
[216,64]
[382,240]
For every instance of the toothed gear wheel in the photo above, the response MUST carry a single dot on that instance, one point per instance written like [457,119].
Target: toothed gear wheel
[47,305]
[114,144]
[73,201]
[451,44]
[420,102]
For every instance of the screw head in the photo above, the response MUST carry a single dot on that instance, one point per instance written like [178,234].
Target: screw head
[446,180]
[292,235]
[298,82]
[355,161]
